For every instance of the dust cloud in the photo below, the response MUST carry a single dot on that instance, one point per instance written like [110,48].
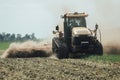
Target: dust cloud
[112,48]
[107,16]
[111,40]
[28,49]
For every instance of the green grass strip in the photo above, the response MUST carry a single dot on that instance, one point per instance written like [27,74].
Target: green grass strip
[4,45]
[110,58]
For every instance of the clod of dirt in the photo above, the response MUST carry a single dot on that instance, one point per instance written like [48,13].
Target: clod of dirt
[28,49]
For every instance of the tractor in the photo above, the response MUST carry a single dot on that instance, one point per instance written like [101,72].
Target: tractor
[76,37]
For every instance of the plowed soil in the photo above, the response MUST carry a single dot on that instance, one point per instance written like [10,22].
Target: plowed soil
[55,69]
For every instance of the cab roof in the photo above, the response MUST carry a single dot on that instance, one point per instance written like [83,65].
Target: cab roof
[76,14]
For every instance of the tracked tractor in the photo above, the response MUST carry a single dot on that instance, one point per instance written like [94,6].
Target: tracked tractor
[76,37]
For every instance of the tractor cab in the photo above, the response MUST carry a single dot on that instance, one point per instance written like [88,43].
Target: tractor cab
[72,23]
[75,19]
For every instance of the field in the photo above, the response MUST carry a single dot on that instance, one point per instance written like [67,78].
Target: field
[106,67]
[4,45]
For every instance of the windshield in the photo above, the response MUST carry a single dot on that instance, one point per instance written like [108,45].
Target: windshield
[77,22]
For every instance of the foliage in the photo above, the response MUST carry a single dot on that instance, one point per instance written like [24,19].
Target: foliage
[16,37]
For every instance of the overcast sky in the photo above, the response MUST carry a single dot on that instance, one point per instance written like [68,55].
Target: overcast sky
[41,16]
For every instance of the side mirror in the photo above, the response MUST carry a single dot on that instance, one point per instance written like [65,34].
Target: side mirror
[96,26]
[57,28]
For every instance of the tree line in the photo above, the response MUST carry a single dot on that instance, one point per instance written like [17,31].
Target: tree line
[16,37]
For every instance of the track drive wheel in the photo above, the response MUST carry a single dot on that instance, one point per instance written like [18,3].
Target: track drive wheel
[62,52]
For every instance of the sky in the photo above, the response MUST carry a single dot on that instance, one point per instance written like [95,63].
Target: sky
[41,16]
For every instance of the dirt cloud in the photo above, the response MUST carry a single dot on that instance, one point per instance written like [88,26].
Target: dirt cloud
[28,49]
[111,40]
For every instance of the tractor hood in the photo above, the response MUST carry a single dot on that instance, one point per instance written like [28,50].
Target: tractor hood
[77,31]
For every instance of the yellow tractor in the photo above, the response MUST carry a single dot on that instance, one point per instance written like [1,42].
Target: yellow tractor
[76,38]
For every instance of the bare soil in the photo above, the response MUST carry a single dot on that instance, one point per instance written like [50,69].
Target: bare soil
[55,69]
